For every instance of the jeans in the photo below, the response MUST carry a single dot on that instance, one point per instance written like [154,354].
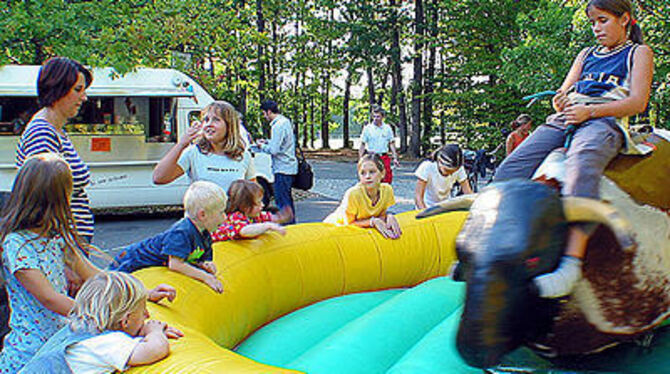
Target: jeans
[282,187]
[595,143]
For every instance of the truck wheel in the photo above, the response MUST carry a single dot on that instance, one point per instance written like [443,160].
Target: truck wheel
[267,190]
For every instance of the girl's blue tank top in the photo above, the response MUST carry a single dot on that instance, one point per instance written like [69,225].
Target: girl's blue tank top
[607,74]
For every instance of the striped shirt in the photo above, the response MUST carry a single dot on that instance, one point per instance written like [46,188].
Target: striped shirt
[41,137]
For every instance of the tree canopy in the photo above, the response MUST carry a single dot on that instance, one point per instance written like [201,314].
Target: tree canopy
[444,70]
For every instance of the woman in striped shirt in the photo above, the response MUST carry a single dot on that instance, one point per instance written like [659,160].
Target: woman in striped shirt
[61,91]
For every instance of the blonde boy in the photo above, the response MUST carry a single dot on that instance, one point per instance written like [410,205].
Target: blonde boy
[186,247]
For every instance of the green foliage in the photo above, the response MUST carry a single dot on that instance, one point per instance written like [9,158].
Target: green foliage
[490,52]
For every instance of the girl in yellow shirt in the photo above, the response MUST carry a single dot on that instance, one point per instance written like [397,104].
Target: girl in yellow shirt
[365,204]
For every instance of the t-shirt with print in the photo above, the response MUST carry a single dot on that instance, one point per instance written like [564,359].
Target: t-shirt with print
[105,353]
[182,240]
[377,138]
[231,227]
[438,187]
[31,323]
[356,205]
[218,169]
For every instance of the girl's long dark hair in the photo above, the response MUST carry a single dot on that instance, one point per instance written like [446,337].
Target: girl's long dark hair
[40,201]
[619,8]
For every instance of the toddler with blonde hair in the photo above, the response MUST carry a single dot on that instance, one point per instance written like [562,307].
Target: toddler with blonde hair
[107,330]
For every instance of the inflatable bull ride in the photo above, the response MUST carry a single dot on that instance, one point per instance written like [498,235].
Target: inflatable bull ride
[516,230]
[329,299]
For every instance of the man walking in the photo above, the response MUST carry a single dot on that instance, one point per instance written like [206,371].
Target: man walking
[281,147]
[377,137]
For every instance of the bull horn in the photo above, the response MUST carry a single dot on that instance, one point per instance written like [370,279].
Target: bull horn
[580,209]
[463,202]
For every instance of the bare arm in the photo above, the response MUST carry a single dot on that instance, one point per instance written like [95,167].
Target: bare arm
[167,169]
[465,186]
[508,145]
[37,284]
[361,150]
[419,192]
[634,103]
[394,153]
[153,347]
[560,101]
[255,229]
[178,265]
[83,267]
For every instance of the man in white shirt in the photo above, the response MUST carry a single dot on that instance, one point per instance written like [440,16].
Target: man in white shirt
[377,137]
[281,147]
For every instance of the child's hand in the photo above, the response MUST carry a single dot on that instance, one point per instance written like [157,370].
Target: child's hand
[209,267]
[560,101]
[152,326]
[173,333]
[160,292]
[380,226]
[191,133]
[276,228]
[214,283]
[576,114]
[393,226]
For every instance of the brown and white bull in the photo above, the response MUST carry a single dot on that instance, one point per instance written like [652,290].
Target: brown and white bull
[514,232]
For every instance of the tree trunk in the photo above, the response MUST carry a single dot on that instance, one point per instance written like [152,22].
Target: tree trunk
[304,116]
[311,122]
[371,87]
[415,136]
[382,83]
[325,112]
[345,109]
[443,117]
[432,21]
[295,104]
[397,88]
[273,60]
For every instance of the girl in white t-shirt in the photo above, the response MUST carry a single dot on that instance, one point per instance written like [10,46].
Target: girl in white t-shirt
[211,150]
[436,177]
[107,332]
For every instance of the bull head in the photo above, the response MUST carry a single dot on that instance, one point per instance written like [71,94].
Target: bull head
[516,230]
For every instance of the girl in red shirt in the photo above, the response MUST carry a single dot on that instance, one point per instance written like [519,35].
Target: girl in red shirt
[245,216]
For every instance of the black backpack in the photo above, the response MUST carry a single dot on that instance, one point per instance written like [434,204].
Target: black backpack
[304,180]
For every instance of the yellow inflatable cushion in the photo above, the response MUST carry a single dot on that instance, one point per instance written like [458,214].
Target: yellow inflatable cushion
[273,275]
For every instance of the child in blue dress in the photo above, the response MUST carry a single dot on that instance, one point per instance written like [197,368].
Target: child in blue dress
[38,242]
[606,85]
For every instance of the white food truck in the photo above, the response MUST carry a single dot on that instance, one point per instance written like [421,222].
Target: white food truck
[128,123]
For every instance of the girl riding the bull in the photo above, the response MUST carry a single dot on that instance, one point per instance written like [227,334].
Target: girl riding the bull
[606,85]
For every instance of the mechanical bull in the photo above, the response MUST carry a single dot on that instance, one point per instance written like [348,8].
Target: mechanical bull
[516,230]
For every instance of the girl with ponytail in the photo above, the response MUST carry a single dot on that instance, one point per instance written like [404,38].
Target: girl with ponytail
[607,84]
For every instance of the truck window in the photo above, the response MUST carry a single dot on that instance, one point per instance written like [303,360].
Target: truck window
[150,117]
[15,113]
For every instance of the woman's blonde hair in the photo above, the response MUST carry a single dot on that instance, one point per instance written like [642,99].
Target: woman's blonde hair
[232,144]
[104,300]
[40,201]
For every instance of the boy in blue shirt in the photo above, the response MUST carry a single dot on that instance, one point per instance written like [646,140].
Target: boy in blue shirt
[186,247]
